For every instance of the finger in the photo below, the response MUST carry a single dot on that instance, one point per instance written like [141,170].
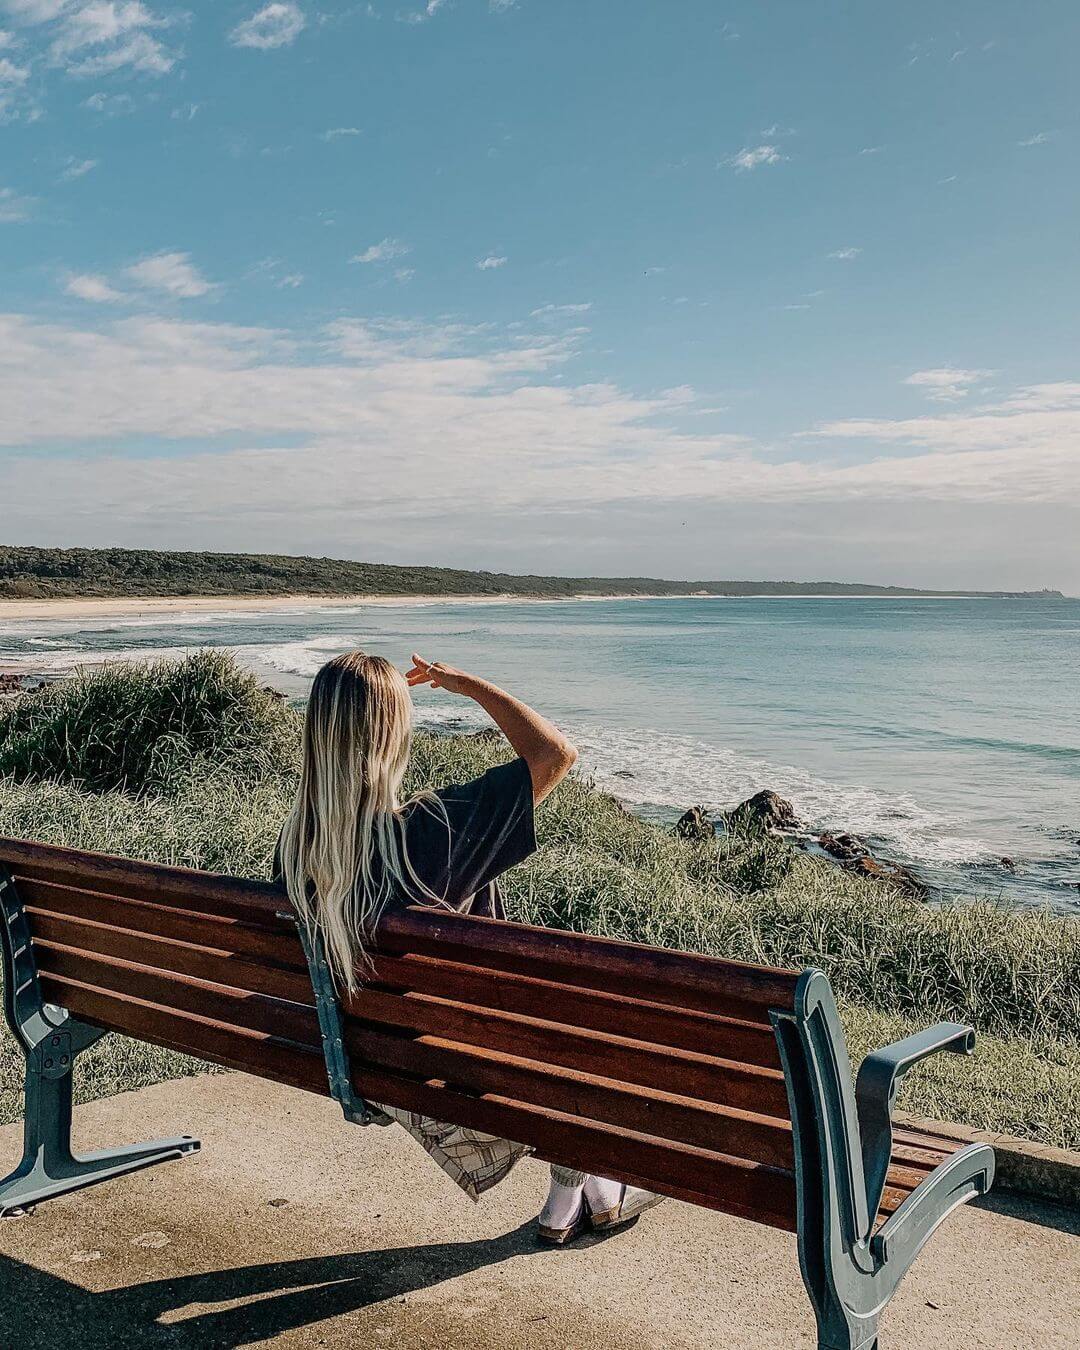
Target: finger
[419,661]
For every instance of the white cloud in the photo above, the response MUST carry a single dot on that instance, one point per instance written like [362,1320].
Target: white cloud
[290,281]
[335,133]
[390,428]
[404,274]
[185,112]
[110,105]
[422,15]
[172,273]
[871,150]
[30,12]
[752,157]
[104,36]
[15,207]
[845,254]
[275,25]
[88,286]
[947,384]
[1040,138]
[553,311]
[15,99]
[384,251]
[501,6]
[492,260]
[77,168]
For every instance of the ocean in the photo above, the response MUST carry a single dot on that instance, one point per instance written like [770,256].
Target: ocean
[946,733]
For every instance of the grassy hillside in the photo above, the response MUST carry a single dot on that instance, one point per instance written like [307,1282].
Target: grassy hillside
[29,573]
[147,780]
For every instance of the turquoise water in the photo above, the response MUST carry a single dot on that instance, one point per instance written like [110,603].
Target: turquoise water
[947,732]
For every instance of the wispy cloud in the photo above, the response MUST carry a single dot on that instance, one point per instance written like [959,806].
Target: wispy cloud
[276,25]
[15,207]
[171,273]
[290,281]
[753,157]
[492,260]
[384,251]
[844,254]
[77,168]
[385,425]
[105,36]
[14,80]
[947,384]
[422,15]
[871,150]
[89,286]
[185,112]
[1040,138]
[335,133]
[553,311]
[110,105]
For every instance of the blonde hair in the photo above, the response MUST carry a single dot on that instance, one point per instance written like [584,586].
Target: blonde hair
[342,849]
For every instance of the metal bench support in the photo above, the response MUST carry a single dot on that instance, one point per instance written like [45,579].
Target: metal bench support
[52,1040]
[843,1144]
[338,1066]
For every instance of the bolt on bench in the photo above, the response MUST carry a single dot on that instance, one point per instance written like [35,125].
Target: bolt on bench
[721,1084]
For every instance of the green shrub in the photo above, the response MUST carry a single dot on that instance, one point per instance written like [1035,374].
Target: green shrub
[140,729]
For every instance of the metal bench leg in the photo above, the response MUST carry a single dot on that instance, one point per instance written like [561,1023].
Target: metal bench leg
[48,1167]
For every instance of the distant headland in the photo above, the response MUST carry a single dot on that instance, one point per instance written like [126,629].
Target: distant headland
[42,574]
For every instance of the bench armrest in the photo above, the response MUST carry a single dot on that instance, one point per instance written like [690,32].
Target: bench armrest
[875,1093]
[967,1174]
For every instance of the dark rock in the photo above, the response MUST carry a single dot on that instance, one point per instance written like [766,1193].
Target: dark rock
[846,847]
[695,824]
[486,734]
[1010,863]
[764,810]
[622,773]
[901,877]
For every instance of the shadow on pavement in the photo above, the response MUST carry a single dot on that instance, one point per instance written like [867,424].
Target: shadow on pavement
[39,1310]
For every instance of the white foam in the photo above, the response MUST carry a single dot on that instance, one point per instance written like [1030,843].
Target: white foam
[679,771]
[302,658]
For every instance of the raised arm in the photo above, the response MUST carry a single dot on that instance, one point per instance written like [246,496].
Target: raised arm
[548,753]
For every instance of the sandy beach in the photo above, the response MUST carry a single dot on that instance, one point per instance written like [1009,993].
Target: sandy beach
[109,607]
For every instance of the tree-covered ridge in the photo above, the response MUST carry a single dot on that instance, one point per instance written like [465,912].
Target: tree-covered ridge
[39,573]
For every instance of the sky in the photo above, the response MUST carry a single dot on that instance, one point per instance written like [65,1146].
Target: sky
[650,287]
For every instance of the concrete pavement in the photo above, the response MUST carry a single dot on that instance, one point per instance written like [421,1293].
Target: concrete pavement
[293,1229]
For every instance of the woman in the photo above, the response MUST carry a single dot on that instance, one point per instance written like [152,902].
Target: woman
[349,848]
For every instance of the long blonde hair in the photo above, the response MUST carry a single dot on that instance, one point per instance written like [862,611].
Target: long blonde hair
[342,849]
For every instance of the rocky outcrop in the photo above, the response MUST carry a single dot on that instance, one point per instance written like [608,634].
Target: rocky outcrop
[695,824]
[846,847]
[901,877]
[763,811]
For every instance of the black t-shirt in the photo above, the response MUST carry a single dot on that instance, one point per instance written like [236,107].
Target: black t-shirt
[490,829]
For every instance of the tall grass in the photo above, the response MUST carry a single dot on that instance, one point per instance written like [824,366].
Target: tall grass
[204,778]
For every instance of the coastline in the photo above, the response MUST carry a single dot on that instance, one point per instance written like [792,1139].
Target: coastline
[135,606]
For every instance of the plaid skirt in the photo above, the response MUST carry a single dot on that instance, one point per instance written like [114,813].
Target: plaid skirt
[474,1160]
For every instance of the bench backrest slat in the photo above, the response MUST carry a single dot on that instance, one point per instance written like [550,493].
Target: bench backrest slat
[657,1067]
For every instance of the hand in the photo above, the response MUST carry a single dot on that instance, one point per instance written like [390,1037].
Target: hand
[437,674]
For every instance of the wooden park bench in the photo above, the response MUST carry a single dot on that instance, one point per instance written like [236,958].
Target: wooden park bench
[718,1083]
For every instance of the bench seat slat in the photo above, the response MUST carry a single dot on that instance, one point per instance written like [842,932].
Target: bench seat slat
[231,1047]
[586,1088]
[709,1078]
[578,1005]
[216,964]
[250,940]
[687,1120]
[702,983]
